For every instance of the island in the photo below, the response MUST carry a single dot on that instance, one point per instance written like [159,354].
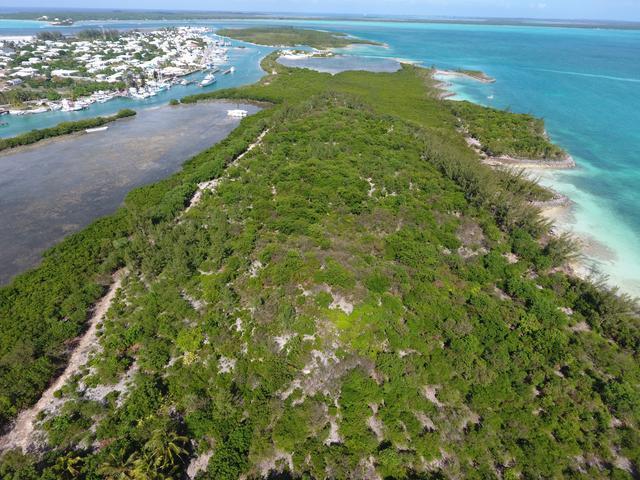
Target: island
[291,37]
[63,128]
[339,289]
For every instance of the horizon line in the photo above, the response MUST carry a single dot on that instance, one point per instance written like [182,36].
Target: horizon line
[388,16]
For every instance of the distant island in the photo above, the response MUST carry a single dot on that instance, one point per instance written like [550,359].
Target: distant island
[56,21]
[277,37]
[175,15]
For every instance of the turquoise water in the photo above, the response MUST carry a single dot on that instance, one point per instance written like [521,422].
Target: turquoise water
[20,27]
[584,82]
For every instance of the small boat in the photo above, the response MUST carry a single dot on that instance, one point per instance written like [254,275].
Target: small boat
[97,129]
[3,124]
[237,113]
[208,80]
[68,106]
[37,110]
[229,70]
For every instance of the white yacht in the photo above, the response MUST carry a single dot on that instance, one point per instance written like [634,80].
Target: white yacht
[208,80]
[96,129]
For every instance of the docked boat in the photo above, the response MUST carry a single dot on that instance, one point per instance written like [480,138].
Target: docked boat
[68,106]
[37,110]
[29,112]
[208,80]
[97,129]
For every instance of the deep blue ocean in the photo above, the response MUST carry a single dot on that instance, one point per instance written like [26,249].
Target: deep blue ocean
[584,82]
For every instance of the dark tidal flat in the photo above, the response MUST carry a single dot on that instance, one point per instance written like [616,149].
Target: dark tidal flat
[343,63]
[54,188]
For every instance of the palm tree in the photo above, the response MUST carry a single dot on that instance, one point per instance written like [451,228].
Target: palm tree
[68,467]
[158,459]
[165,449]
[119,468]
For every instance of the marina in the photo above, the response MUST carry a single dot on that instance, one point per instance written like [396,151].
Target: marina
[247,70]
[180,57]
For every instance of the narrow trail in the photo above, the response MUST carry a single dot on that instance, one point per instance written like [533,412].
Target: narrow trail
[211,185]
[23,434]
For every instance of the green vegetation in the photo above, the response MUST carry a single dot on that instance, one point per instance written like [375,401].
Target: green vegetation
[64,128]
[505,133]
[50,36]
[54,88]
[291,37]
[346,303]
[98,34]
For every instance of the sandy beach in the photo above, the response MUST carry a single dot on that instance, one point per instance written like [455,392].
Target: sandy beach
[558,210]
[529,163]
[481,77]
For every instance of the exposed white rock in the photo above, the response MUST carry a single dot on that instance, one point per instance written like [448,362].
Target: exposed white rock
[429,392]
[255,268]
[425,421]
[271,464]
[581,327]
[226,365]
[199,464]
[340,302]
[282,340]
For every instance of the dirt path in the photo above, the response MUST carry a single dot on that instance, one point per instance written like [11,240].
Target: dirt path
[23,434]
[211,185]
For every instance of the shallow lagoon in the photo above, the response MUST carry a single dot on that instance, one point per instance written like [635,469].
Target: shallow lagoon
[342,63]
[56,187]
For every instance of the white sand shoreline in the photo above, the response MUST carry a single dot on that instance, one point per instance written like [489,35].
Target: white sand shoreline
[557,210]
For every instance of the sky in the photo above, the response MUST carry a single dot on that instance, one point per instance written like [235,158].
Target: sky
[628,10]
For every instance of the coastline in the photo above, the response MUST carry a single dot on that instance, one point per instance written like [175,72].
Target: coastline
[507,161]
[37,137]
[595,260]
[512,293]
[556,210]
[480,77]
[529,163]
